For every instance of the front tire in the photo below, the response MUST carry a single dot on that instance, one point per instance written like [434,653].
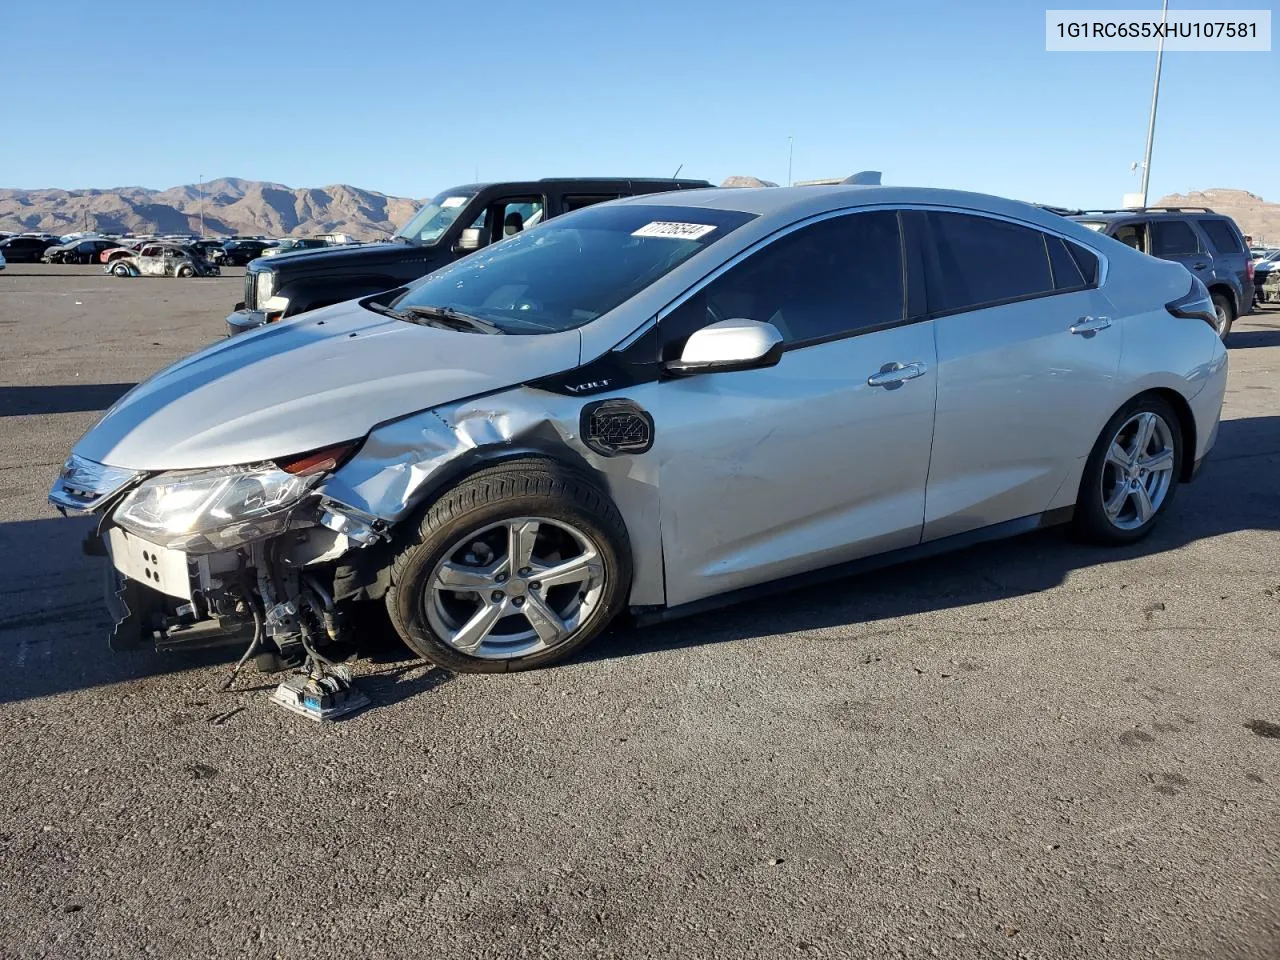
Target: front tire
[185,272]
[1132,473]
[518,566]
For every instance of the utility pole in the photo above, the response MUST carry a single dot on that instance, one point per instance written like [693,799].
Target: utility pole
[201,188]
[1155,97]
[790,153]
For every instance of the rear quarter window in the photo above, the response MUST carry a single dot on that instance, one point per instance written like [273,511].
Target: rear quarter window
[1222,236]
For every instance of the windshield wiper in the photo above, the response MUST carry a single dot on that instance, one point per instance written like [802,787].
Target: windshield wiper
[454,318]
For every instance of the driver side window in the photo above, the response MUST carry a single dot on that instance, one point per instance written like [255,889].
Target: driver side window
[826,280]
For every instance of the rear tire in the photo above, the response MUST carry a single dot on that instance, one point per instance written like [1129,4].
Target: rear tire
[184,272]
[1226,315]
[1132,473]
[501,616]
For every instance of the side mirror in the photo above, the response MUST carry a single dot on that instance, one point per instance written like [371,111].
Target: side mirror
[470,239]
[729,345]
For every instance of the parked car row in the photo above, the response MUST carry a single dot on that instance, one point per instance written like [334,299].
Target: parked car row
[96,248]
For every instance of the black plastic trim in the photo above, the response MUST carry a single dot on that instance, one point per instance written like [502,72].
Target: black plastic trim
[998,531]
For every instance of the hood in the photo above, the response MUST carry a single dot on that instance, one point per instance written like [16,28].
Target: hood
[353,255]
[322,378]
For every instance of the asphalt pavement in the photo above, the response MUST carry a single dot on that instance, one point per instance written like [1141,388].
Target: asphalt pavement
[1030,749]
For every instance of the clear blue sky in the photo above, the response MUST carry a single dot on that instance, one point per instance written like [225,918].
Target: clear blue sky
[412,97]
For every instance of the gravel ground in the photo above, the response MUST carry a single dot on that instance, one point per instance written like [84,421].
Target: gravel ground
[1029,749]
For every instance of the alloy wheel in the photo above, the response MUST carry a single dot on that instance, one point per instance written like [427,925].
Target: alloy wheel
[515,588]
[1138,471]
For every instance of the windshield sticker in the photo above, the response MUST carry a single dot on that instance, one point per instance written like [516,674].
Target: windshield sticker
[674,231]
[453,202]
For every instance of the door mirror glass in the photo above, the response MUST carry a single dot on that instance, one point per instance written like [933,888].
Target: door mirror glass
[738,344]
[470,239]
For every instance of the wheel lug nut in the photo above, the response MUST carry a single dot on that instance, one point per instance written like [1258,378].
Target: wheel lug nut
[525,571]
[501,578]
[518,601]
[497,596]
[535,585]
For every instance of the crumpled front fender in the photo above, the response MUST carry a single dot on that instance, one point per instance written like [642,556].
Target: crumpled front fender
[408,462]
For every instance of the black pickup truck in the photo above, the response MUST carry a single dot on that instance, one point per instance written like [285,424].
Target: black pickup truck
[447,227]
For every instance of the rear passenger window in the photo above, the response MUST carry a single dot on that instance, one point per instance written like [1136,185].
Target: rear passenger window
[1173,238]
[1085,260]
[1066,272]
[1222,236]
[981,261]
[831,278]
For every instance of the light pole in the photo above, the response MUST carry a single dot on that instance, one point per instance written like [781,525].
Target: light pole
[201,206]
[790,153]
[1155,98]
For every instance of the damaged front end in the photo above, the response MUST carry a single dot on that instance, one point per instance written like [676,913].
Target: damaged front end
[278,554]
[199,558]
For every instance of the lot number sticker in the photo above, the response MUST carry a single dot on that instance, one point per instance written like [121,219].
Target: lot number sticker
[674,231]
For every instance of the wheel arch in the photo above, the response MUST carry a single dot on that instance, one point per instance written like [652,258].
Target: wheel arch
[1229,292]
[1186,424]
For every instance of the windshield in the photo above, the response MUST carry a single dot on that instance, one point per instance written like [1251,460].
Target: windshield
[572,269]
[435,216]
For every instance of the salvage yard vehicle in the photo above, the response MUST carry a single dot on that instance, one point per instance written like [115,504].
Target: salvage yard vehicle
[79,251]
[659,405]
[237,253]
[292,244]
[447,227]
[25,249]
[1266,279]
[163,260]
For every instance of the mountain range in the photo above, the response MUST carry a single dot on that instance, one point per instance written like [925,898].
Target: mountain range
[231,206]
[234,206]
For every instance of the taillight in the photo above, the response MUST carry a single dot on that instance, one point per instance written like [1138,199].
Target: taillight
[1248,268]
[1196,304]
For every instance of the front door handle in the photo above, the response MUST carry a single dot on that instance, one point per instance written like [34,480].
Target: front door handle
[1199,266]
[1087,325]
[893,374]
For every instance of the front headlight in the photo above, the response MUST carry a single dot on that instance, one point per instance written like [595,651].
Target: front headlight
[266,284]
[205,511]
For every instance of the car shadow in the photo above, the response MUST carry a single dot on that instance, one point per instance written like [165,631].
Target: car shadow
[25,401]
[53,624]
[1245,339]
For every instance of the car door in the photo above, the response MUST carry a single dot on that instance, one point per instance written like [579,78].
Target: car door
[769,472]
[1027,361]
[151,262]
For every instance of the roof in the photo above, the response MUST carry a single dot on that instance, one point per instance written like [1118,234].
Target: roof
[792,203]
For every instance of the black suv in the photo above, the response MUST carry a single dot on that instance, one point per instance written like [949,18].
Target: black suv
[1208,244]
[447,227]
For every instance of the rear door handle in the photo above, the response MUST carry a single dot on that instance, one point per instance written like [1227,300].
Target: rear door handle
[892,374]
[1090,325]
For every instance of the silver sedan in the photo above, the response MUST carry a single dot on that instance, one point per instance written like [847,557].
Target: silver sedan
[658,405]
